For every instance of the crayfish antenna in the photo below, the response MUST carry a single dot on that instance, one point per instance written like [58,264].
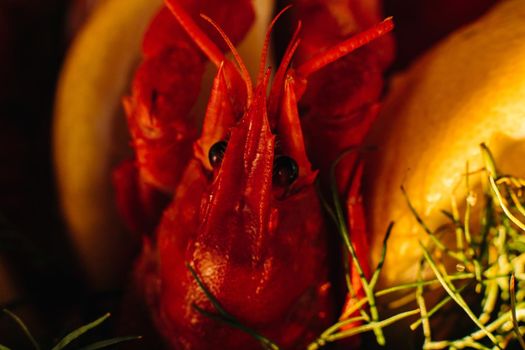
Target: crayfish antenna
[242,67]
[218,119]
[277,86]
[340,50]
[196,34]
[264,52]
[211,50]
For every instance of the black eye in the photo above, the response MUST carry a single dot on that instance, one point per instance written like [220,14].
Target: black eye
[285,171]
[217,153]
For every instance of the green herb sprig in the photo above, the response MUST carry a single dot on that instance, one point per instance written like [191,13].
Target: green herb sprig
[489,260]
[225,317]
[70,337]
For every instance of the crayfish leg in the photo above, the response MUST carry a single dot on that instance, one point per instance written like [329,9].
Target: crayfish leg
[358,237]
[139,204]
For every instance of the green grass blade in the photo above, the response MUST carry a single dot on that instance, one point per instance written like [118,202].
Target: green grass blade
[421,303]
[345,235]
[208,294]
[503,206]
[78,332]
[24,328]
[488,160]
[515,325]
[440,245]
[400,287]
[435,309]
[323,200]
[517,202]
[225,316]
[456,297]
[109,342]
[371,326]
[341,324]
[232,322]
[379,267]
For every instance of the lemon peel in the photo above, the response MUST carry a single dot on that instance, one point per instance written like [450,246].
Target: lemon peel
[467,90]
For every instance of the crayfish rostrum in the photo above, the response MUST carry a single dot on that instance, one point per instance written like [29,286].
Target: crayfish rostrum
[232,217]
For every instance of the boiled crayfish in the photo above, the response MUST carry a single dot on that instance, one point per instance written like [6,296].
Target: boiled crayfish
[238,224]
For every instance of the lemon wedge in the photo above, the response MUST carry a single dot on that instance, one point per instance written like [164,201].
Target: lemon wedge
[467,90]
[89,128]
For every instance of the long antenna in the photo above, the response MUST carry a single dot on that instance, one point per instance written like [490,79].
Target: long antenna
[264,52]
[333,54]
[243,70]
[196,34]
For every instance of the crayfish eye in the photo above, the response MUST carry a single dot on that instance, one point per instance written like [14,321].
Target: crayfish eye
[216,153]
[285,171]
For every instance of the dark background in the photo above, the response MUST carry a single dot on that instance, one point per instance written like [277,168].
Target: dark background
[34,36]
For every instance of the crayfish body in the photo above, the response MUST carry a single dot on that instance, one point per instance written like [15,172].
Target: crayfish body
[248,243]
[240,252]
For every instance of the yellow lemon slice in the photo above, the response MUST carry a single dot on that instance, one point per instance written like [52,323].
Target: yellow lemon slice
[467,90]
[87,125]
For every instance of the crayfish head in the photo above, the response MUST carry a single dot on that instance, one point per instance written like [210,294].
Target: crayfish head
[237,209]
[255,173]
[254,235]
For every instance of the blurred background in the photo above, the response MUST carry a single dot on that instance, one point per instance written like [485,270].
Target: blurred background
[34,36]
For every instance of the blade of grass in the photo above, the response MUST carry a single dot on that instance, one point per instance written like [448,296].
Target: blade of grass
[371,326]
[470,200]
[379,267]
[503,206]
[490,300]
[345,235]
[78,332]
[435,309]
[226,317]
[320,341]
[451,290]
[516,202]
[323,341]
[109,342]
[429,232]
[423,307]
[232,322]
[24,328]
[461,276]
[516,327]
[368,292]
[458,226]
[488,160]
[340,324]
[469,344]
[208,294]
[323,200]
